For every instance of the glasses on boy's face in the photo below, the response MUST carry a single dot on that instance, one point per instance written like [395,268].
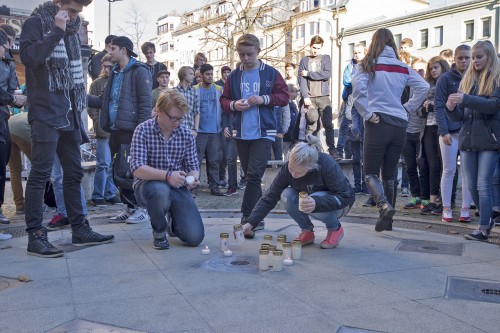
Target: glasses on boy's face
[174,119]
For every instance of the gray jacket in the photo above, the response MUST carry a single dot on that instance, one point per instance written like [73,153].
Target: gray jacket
[324,75]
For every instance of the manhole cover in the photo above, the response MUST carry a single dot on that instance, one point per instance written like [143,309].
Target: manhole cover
[235,264]
[473,290]
[84,326]
[347,329]
[421,246]
[7,283]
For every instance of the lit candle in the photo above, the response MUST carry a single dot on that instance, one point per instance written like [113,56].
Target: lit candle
[238,233]
[189,180]
[224,241]
[288,262]
[206,250]
[228,253]
[287,250]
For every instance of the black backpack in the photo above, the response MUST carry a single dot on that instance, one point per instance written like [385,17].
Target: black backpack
[49,198]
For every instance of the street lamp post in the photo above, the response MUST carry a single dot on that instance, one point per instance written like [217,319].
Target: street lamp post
[109,15]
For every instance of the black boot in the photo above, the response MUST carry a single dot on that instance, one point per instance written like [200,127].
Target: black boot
[39,245]
[392,193]
[369,203]
[386,211]
[83,235]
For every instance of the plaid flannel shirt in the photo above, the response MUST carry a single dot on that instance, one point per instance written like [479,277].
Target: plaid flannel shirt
[149,147]
[191,95]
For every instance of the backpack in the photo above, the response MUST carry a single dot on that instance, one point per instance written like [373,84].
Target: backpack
[122,175]
[49,198]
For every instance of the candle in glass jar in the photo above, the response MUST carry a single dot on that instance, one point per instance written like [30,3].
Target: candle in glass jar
[268,238]
[287,262]
[277,260]
[296,250]
[224,241]
[287,250]
[206,250]
[238,233]
[228,253]
[279,242]
[271,250]
[302,197]
[263,260]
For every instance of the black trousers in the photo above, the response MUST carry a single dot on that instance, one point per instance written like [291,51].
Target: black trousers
[116,139]
[410,153]
[5,146]
[431,159]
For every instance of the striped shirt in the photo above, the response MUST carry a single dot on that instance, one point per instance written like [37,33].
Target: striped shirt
[149,147]
[191,95]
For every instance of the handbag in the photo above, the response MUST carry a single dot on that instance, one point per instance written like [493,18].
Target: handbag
[122,175]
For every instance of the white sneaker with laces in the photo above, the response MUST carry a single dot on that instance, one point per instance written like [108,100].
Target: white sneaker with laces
[5,236]
[123,216]
[140,215]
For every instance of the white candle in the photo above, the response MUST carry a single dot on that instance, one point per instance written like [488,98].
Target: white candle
[224,241]
[206,250]
[263,260]
[277,260]
[238,233]
[189,180]
[296,249]
[287,262]
[228,253]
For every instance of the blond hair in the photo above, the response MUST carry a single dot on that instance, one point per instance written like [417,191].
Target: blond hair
[183,72]
[248,40]
[170,99]
[488,78]
[306,154]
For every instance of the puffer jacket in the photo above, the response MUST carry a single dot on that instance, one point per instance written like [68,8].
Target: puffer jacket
[480,117]
[96,88]
[134,105]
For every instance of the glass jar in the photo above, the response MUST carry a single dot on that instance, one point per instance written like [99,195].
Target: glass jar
[224,241]
[296,250]
[277,260]
[268,238]
[263,260]
[287,250]
[271,250]
[302,197]
[238,233]
[279,242]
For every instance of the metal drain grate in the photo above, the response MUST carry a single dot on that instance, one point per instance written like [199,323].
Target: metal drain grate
[473,290]
[236,264]
[79,325]
[422,246]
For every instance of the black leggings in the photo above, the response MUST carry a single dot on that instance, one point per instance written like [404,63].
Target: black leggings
[430,177]
[382,147]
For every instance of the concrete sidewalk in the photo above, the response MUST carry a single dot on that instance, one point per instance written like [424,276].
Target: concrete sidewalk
[368,282]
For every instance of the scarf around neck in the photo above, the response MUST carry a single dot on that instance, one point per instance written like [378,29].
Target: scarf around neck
[64,66]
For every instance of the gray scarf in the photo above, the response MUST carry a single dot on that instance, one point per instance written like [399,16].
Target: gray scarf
[64,65]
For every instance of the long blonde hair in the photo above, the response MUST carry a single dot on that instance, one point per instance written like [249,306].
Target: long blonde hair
[381,38]
[488,78]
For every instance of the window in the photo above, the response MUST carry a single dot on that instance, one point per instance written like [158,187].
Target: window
[362,42]
[189,19]
[304,6]
[222,8]
[328,2]
[397,39]
[313,28]
[164,47]
[438,36]
[469,30]
[171,46]
[302,30]
[424,38]
[206,13]
[171,26]
[162,29]
[351,48]
[486,22]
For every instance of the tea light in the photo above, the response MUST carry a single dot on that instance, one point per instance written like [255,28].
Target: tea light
[189,180]
[228,253]
[206,250]
[288,262]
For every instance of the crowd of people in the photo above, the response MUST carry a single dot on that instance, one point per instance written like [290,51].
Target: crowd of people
[151,139]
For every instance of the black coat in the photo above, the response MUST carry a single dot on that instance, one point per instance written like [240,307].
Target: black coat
[134,105]
[480,117]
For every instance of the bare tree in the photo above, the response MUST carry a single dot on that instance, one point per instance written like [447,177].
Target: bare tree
[267,18]
[134,26]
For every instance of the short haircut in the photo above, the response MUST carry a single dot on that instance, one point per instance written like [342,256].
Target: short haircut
[248,40]
[405,57]
[317,40]
[170,99]
[462,47]
[107,57]
[407,41]
[447,53]
[148,45]
[290,64]
[9,30]
[418,60]
[183,72]
[80,2]
[205,68]
[3,37]
[108,39]
[200,55]
[161,72]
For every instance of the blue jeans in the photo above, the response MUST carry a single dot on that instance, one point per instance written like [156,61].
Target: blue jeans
[104,187]
[161,199]
[232,162]
[479,167]
[496,187]
[290,198]
[57,183]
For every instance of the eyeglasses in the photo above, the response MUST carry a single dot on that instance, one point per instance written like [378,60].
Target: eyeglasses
[174,119]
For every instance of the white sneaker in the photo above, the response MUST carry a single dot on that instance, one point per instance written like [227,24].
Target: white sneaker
[5,236]
[140,215]
[123,216]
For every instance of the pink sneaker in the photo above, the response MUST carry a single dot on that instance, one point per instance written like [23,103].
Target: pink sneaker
[447,215]
[332,239]
[306,237]
[464,215]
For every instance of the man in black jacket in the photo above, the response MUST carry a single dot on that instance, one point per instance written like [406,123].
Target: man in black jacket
[50,51]
[94,67]
[125,103]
